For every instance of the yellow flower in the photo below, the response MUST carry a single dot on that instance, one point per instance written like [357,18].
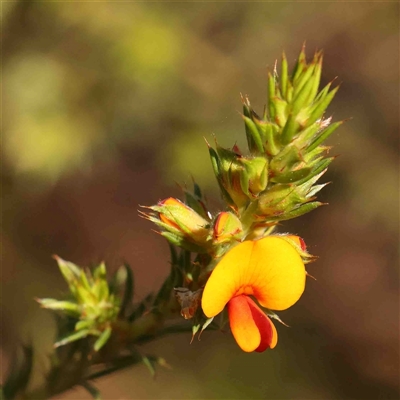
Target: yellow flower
[271,270]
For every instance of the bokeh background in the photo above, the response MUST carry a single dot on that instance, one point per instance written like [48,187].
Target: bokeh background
[105,106]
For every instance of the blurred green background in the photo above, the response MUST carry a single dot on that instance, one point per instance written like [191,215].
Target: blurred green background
[105,106]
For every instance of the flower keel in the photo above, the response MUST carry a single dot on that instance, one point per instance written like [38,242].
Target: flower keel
[251,328]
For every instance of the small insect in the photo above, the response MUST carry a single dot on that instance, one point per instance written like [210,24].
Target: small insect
[188,300]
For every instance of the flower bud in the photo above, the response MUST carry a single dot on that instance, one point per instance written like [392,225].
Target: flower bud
[241,178]
[230,175]
[227,227]
[182,220]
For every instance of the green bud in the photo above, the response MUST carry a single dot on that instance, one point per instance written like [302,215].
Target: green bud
[216,164]
[94,305]
[255,145]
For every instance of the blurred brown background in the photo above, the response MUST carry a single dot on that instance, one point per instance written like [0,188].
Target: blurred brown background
[105,106]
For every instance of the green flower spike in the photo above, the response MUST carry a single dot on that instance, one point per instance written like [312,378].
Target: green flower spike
[277,180]
[92,304]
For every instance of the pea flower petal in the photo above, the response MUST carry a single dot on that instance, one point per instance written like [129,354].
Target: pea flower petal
[251,328]
[270,269]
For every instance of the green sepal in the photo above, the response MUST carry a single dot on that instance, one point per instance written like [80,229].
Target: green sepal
[84,324]
[228,159]
[277,200]
[195,329]
[70,272]
[247,113]
[303,80]
[253,132]
[102,339]
[324,135]
[195,203]
[73,309]
[100,289]
[301,97]
[215,162]
[306,135]
[300,64]
[246,106]
[298,211]
[315,189]
[100,271]
[320,107]
[280,115]
[175,231]
[273,315]
[84,296]
[306,185]
[232,169]
[315,155]
[271,95]
[73,337]
[292,176]
[284,161]
[254,177]
[317,169]
[290,129]
[323,93]
[205,325]
[316,80]
[181,242]
[267,132]
[284,75]
[289,92]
